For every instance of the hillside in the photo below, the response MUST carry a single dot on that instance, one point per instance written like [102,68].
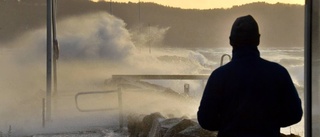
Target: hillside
[280,24]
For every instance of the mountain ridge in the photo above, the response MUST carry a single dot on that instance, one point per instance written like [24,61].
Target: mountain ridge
[281,25]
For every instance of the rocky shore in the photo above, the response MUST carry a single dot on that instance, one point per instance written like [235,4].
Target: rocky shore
[152,125]
[156,125]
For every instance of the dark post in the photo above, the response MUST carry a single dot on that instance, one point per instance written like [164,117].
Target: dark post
[55,46]
[308,70]
[120,108]
[49,59]
[43,112]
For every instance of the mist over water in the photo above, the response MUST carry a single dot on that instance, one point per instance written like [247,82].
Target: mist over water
[90,52]
[94,47]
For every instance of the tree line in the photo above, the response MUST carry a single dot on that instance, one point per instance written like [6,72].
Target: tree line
[281,25]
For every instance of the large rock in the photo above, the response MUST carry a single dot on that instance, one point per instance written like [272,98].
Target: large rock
[169,127]
[168,124]
[156,128]
[161,127]
[139,126]
[135,126]
[149,120]
[156,125]
[185,123]
[196,131]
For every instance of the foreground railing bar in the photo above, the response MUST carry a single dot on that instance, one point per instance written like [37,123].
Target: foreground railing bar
[93,92]
[163,77]
[96,110]
[96,92]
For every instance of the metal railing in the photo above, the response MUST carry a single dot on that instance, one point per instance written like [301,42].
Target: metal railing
[140,77]
[222,58]
[120,108]
[163,77]
[203,78]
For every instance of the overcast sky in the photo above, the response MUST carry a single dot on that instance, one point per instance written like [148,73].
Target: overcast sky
[208,4]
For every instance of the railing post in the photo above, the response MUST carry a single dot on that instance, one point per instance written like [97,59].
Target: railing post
[222,58]
[43,112]
[187,89]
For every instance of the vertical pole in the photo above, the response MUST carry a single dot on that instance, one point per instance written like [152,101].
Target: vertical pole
[43,112]
[120,108]
[139,12]
[55,46]
[111,7]
[139,19]
[308,70]
[150,38]
[49,60]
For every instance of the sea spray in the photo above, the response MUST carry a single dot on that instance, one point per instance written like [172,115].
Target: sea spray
[91,52]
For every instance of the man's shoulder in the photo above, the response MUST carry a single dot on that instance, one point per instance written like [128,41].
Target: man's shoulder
[273,66]
[272,63]
[222,70]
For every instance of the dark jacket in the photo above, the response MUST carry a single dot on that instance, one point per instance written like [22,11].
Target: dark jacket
[249,97]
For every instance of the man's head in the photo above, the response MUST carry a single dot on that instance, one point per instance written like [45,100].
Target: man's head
[244,32]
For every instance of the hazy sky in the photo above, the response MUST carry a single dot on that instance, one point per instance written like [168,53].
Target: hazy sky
[207,4]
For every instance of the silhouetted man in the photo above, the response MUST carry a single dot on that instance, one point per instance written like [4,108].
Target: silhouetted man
[249,96]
